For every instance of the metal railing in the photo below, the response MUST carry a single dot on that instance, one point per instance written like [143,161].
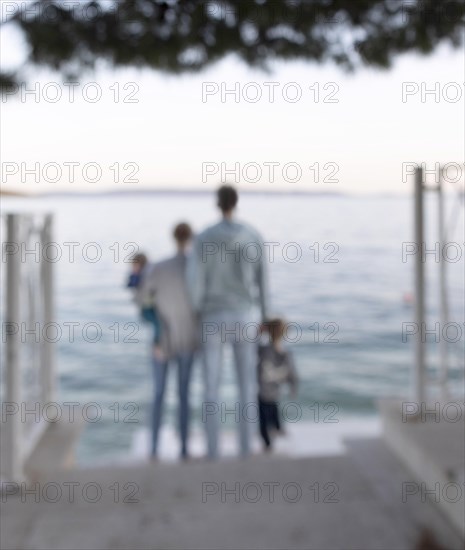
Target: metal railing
[28,370]
[422,383]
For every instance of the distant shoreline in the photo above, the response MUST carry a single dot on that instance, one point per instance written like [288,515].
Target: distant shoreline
[164,191]
[193,192]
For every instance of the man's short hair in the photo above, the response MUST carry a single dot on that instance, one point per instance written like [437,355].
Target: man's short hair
[182,233]
[227,198]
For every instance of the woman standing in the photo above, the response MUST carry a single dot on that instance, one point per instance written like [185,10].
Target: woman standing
[178,340]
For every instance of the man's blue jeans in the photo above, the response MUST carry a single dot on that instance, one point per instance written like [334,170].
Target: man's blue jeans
[160,369]
[238,330]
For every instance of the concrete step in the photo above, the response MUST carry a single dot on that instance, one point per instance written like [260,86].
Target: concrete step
[48,447]
[54,450]
[432,447]
[391,481]
[317,503]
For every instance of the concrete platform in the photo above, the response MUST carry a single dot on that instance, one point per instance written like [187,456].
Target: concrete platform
[432,446]
[301,440]
[347,502]
[53,449]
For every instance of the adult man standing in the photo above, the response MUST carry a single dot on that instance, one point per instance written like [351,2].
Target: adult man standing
[226,279]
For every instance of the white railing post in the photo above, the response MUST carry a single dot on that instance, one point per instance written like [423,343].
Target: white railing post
[419,376]
[13,454]
[47,360]
[444,306]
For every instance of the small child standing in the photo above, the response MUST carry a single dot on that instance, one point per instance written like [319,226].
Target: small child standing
[275,368]
[148,311]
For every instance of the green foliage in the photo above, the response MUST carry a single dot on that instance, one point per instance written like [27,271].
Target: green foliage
[187,35]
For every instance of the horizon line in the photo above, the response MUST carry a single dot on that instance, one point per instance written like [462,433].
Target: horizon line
[195,191]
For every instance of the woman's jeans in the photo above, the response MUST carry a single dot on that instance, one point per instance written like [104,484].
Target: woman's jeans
[160,369]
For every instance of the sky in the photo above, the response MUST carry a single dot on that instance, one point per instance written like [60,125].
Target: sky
[302,126]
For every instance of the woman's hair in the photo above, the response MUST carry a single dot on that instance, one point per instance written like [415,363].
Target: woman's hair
[182,233]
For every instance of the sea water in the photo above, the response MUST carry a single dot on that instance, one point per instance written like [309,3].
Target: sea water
[339,272]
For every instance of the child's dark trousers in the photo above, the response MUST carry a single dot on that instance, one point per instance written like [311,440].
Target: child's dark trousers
[269,418]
